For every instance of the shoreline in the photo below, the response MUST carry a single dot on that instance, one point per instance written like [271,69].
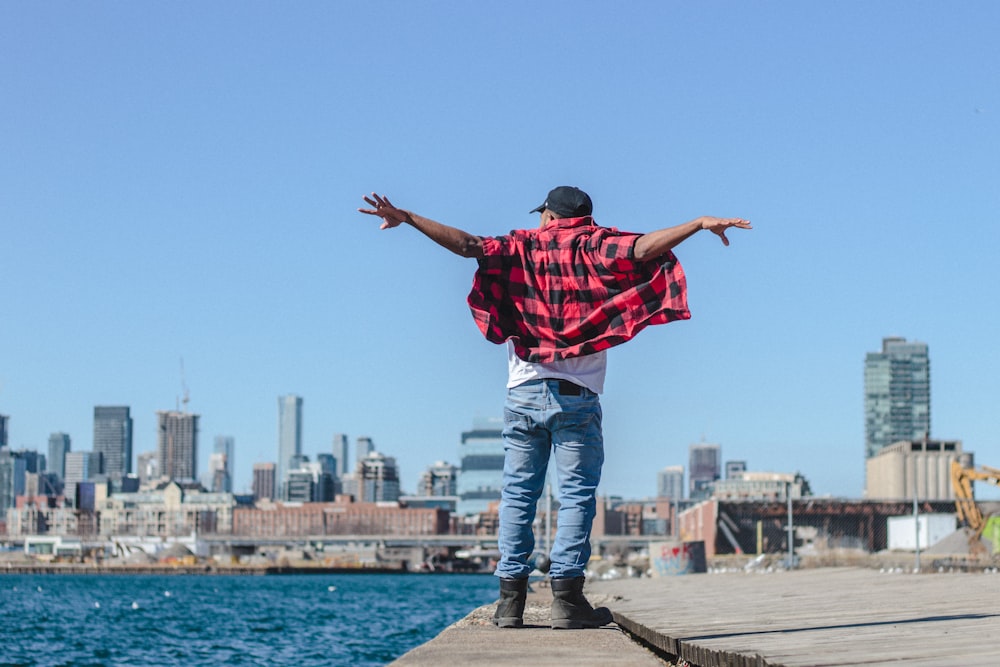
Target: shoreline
[205,570]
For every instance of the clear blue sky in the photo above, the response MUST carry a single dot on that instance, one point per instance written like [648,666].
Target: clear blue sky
[180,180]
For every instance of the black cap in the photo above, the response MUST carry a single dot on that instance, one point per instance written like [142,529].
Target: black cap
[567,202]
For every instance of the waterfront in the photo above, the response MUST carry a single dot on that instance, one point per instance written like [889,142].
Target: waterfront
[348,619]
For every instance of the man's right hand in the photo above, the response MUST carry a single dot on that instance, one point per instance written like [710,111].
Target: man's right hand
[391,216]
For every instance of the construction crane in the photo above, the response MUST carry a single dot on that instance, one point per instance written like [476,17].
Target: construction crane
[184,388]
[968,511]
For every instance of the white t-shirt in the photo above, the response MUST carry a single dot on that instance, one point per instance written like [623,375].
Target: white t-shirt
[587,371]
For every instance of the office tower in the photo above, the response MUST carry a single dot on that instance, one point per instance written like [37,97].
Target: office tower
[897,394]
[221,464]
[59,446]
[704,467]
[362,448]
[670,483]
[441,479]
[289,433]
[327,483]
[217,480]
[378,478]
[4,438]
[340,453]
[113,439]
[735,468]
[33,461]
[177,444]
[80,467]
[481,461]
[263,481]
[300,484]
[12,478]
[149,467]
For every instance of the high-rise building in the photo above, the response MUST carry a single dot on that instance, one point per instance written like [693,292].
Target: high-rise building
[12,478]
[481,461]
[340,454]
[4,437]
[177,445]
[80,467]
[113,439]
[327,480]
[441,479]
[221,464]
[670,483]
[289,434]
[263,481]
[378,478]
[148,466]
[362,448]
[704,468]
[897,394]
[59,446]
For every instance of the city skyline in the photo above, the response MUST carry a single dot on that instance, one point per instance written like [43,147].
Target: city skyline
[184,183]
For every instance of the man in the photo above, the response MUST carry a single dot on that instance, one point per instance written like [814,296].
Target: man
[559,296]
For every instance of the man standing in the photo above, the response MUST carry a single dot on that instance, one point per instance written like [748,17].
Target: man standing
[559,296]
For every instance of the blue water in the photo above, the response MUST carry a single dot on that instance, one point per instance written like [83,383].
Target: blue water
[303,620]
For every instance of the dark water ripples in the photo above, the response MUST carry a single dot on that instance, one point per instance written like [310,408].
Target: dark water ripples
[307,620]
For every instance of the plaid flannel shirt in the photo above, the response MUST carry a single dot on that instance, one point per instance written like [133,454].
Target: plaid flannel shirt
[572,288]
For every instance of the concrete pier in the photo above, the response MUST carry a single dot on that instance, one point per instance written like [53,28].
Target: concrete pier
[832,616]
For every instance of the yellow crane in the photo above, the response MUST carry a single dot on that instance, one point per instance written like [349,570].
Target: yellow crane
[968,511]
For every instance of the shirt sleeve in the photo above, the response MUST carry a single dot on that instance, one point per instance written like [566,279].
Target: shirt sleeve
[614,250]
[496,254]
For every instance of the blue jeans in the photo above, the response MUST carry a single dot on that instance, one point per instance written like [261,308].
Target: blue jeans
[538,420]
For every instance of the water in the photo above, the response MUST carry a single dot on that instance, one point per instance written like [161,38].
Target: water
[304,620]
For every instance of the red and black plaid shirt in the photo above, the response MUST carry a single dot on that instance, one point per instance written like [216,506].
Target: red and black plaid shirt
[572,288]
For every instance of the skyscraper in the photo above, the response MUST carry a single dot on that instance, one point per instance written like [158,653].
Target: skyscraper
[177,444]
[897,394]
[340,454]
[670,483]
[362,448]
[113,439]
[80,467]
[441,479]
[221,464]
[12,473]
[704,468]
[481,461]
[4,419]
[378,478]
[263,481]
[289,434]
[59,446]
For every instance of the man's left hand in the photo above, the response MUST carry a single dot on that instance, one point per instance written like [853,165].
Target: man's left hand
[391,216]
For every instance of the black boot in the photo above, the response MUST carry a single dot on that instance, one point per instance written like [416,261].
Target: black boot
[510,610]
[571,611]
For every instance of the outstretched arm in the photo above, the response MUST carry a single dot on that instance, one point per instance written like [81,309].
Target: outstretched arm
[455,240]
[656,243]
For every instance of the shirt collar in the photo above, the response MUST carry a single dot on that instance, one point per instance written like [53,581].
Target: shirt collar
[567,223]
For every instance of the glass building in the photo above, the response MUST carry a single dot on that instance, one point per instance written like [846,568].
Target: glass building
[59,446]
[113,439]
[481,461]
[897,394]
[289,434]
[670,483]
